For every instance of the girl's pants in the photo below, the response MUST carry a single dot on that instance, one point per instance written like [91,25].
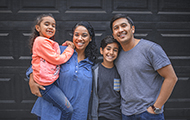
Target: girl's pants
[55,95]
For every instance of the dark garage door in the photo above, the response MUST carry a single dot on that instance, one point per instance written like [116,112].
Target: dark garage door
[166,22]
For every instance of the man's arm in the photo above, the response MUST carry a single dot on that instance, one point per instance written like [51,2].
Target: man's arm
[170,80]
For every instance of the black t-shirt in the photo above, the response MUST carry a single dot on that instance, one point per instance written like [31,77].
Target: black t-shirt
[109,93]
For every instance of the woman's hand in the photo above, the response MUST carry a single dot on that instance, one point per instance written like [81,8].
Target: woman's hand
[34,87]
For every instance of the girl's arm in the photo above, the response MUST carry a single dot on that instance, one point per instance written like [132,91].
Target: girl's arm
[43,47]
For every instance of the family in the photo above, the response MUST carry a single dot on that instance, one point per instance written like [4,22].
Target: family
[133,81]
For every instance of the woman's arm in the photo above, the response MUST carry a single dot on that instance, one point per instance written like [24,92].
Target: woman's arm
[34,87]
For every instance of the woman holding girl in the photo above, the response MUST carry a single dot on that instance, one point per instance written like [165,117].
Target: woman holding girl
[46,60]
[75,77]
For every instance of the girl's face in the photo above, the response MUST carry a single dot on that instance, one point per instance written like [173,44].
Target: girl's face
[110,52]
[46,27]
[81,38]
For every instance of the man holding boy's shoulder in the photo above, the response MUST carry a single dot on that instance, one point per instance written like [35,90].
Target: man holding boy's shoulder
[147,76]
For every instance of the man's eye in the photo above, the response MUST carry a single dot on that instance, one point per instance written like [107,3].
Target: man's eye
[115,28]
[124,25]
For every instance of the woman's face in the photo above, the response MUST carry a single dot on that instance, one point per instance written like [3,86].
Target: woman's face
[81,38]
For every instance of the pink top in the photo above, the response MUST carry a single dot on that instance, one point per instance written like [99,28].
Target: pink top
[46,59]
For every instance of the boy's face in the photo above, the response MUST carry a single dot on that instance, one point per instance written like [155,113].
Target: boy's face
[122,30]
[110,52]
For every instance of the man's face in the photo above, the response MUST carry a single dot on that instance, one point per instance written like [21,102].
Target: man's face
[122,30]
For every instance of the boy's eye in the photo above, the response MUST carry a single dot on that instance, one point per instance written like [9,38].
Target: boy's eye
[108,49]
[115,50]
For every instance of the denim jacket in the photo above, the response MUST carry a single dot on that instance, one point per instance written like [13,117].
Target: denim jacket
[75,79]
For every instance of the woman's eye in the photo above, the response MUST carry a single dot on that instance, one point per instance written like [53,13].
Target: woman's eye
[84,35]
[76,35]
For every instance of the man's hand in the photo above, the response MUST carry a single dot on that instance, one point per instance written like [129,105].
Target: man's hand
[150,110]
[34,87]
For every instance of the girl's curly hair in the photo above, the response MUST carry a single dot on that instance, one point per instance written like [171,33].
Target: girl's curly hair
[35,33]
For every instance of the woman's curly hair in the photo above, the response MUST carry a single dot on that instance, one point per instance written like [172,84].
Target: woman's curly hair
[91,49]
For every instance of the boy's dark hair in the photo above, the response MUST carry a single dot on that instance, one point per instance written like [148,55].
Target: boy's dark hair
[117,16]
[107,40]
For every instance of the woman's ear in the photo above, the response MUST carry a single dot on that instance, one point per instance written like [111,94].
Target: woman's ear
[101,51]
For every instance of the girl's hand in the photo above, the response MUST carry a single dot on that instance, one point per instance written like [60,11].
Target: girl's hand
[34,87]
[69,44]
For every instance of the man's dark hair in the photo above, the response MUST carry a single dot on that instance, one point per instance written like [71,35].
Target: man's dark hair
[117,16]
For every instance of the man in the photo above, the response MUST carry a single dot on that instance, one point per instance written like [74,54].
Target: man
[147,76]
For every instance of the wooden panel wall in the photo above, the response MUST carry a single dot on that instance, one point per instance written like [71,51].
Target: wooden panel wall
[166,22]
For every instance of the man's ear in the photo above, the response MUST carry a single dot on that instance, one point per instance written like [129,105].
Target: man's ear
[113,35]
[37,27]
[133,29]
[101,52]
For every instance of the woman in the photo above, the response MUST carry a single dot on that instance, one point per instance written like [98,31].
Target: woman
[75,77]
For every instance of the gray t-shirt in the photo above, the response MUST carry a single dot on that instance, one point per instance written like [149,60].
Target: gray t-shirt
[140,80]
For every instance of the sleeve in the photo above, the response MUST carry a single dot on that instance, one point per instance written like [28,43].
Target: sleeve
[44,49]
[29,71]
[158,57]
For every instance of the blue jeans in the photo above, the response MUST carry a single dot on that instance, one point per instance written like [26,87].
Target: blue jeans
[144,116]
[55,95]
